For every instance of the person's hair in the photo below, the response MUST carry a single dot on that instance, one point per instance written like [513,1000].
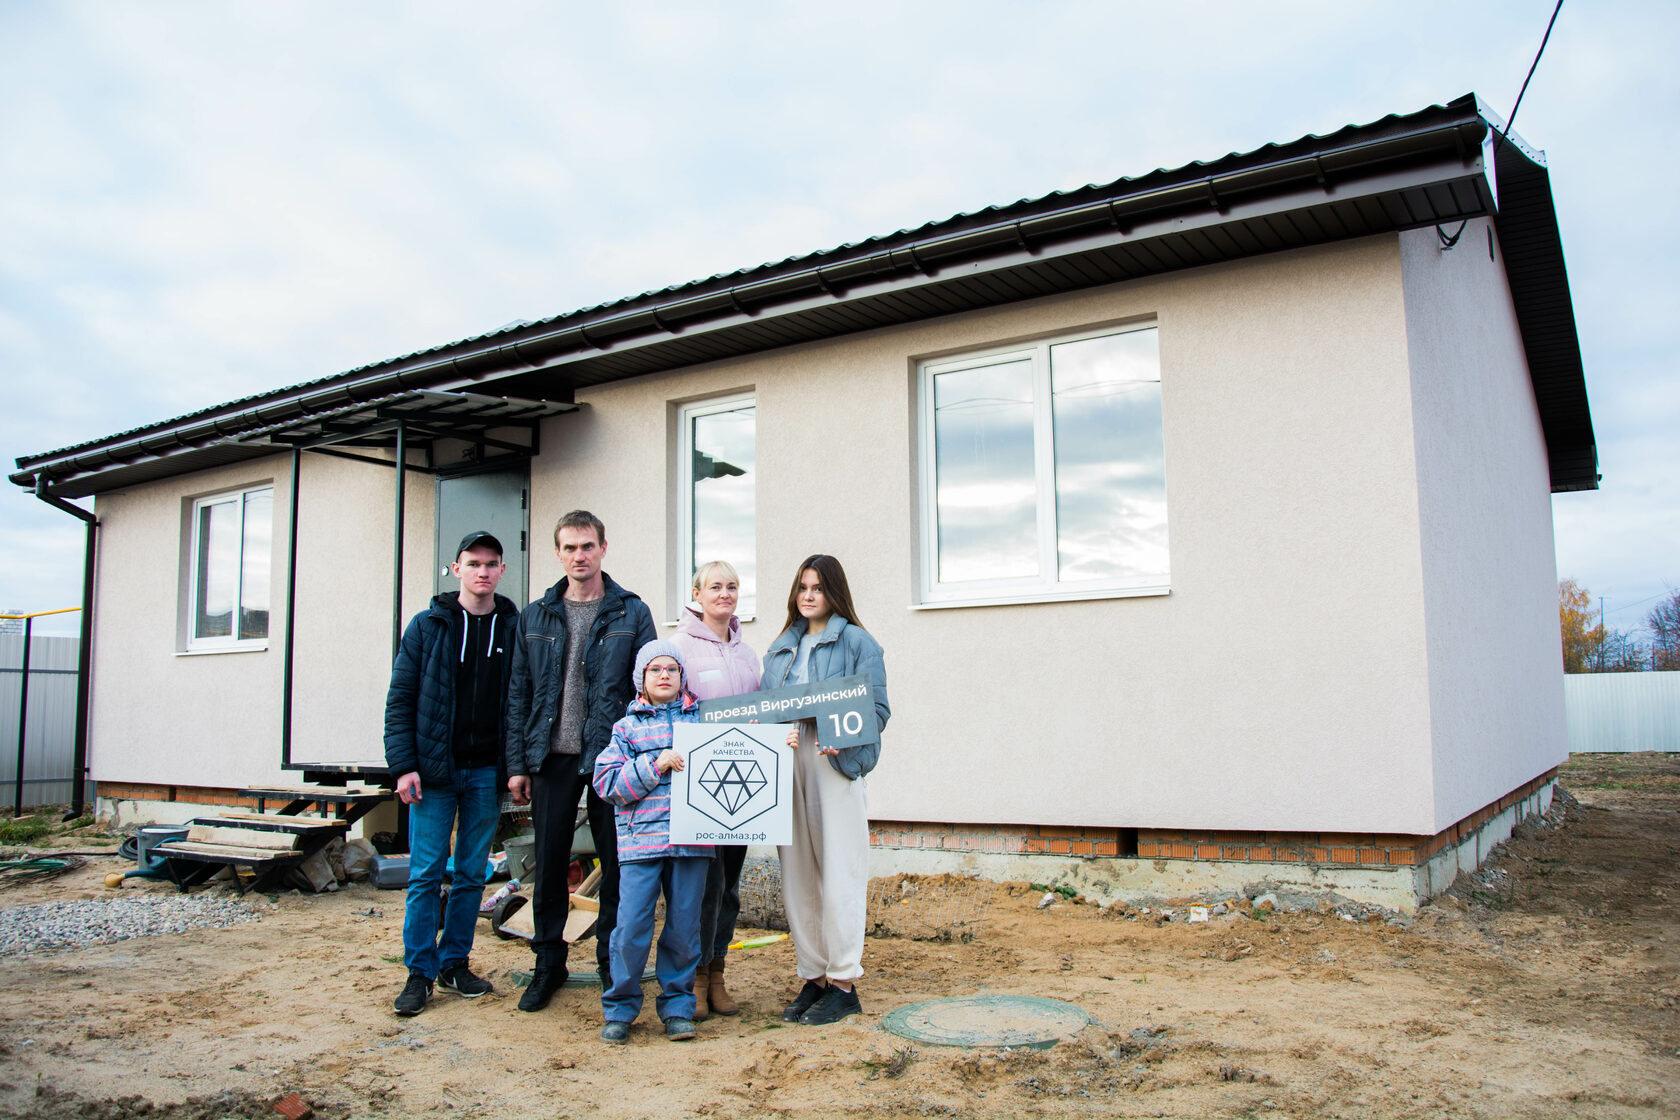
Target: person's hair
[704,571]
[580,519]
[835,589]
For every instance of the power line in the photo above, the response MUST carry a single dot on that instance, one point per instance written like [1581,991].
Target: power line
[1544,39]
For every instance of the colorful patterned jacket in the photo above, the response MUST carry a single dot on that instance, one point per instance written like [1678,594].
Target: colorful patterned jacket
[624,775]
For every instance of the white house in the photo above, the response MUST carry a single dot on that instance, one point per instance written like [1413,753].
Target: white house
[1204,517]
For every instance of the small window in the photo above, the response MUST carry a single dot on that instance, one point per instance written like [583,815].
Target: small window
[717,493]
[232,542]
[1043,471]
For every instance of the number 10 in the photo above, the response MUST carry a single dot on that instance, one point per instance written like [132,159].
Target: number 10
[853,723]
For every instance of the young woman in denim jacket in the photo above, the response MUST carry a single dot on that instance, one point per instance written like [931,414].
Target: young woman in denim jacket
[825,871]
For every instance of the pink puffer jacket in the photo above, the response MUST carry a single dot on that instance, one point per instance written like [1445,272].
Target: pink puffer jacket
[714,668]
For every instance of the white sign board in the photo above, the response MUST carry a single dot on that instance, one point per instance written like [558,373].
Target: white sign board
[736,784]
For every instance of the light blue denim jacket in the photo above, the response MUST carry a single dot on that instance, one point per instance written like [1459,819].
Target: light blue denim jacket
[842,650]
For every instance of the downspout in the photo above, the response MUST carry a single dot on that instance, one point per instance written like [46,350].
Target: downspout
[397,552]
[78,766]
[291,615]
[396,595]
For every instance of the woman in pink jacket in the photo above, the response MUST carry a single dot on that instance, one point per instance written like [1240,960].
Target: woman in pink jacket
[719,664]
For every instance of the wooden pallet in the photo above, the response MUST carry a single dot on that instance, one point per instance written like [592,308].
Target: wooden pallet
[265,845]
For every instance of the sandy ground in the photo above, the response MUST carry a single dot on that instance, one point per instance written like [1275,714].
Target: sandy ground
[1547,987]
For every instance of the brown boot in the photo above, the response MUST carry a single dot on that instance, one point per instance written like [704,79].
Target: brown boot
[701,982]
[720,1000]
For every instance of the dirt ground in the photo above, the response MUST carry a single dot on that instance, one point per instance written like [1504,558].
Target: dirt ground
[1546,986]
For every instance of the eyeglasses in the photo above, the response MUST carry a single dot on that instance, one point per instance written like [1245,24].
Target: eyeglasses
[664,670]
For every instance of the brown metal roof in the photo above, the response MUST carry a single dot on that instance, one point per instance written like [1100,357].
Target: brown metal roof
[1398,173]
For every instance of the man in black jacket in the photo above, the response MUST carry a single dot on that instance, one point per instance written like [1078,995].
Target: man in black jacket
[443,738]
[573,652]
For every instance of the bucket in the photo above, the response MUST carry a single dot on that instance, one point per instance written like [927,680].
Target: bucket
[150,837]
[520,853]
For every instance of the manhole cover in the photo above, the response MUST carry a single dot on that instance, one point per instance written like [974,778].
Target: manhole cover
[989,1020]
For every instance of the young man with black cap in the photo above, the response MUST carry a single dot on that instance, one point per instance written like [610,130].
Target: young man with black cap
[443,735]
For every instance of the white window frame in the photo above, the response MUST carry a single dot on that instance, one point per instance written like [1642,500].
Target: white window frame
[233,643]
[686,560]
[1047,586]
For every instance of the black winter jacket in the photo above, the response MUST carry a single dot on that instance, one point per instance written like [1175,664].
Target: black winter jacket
[420,706]
[622,627]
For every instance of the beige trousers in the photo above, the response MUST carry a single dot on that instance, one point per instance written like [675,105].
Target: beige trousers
[825,871]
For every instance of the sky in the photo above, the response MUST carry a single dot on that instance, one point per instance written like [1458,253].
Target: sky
[201,201]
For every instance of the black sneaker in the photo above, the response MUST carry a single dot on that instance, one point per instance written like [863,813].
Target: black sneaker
[615,1032]
[679,1029]
[809,994]
[545,981]
[415,995]
[835,1005]
[462,982]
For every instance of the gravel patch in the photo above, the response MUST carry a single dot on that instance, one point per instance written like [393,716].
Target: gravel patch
[52,926]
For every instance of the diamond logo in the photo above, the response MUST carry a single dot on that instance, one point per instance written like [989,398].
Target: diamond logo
[734,779]
[731,783]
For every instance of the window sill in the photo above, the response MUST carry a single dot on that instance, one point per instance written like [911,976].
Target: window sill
[1040,597]
[239,647]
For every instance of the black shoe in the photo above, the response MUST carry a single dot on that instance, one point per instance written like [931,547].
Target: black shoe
[545,981]
[615,1032]
[462,982]
[809,994]
[679,1030]
[835,1005]
[415,995]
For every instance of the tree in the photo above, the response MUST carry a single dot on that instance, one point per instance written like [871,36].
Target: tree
[1663,625]
[1583,635]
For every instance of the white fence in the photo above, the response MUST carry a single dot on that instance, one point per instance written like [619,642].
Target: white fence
[50,737]
[1622,711]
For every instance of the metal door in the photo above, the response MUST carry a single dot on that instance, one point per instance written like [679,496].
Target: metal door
[494,501]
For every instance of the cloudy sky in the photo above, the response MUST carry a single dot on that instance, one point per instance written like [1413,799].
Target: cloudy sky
[199,201]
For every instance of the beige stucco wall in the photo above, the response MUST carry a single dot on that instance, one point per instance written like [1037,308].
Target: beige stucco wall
[1320,663]
[213,719]
[1283,683]
[1490,574]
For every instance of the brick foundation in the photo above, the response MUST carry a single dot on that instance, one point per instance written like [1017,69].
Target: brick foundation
[1333,849]
[191,795]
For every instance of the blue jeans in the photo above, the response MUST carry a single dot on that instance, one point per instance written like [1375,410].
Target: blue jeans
[470,807]
[639,884]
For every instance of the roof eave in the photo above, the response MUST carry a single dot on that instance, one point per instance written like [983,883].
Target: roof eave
[1400,173]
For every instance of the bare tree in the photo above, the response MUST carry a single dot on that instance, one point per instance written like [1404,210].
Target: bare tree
[1663,626]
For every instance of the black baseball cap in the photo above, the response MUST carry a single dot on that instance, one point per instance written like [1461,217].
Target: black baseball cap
[477,538]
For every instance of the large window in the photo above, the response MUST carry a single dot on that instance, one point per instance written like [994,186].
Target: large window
[1043,471]
[717,480]
[232,542]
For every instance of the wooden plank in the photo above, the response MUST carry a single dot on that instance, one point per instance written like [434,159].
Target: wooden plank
[303,823]
[222,851]
[522,923]
[579,924]
[580,902]
[315,793]
[242,837]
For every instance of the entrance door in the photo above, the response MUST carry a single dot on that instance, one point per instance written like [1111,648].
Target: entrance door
[492,501]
